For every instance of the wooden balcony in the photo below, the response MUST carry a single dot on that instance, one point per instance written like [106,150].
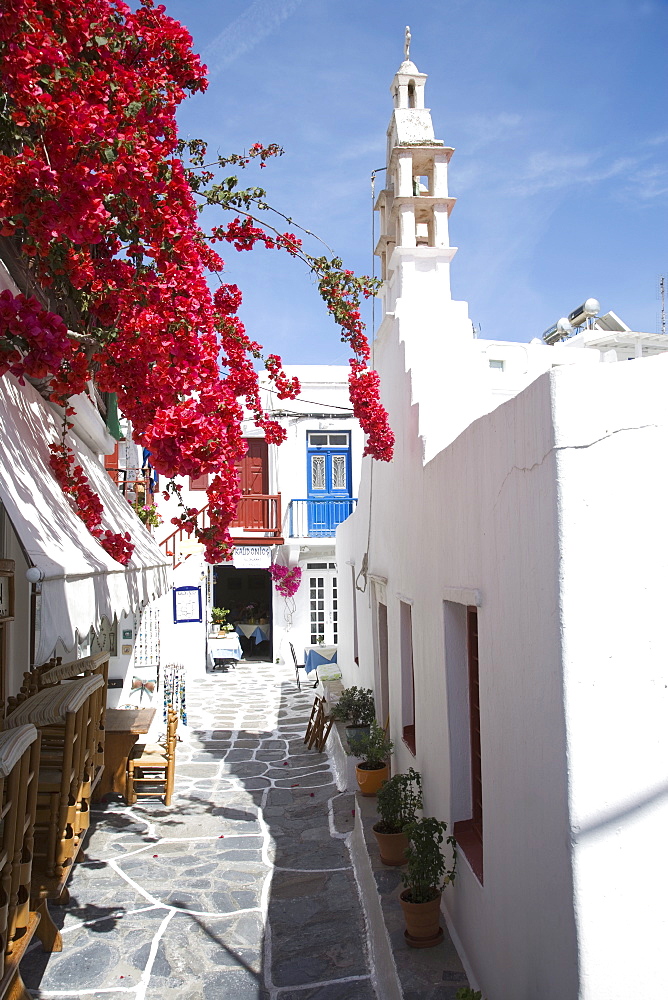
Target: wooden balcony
[260,513]
[258,522]
[134,485]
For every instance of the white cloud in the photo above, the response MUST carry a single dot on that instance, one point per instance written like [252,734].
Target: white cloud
[483,130]
[245,32]
[550,171]
[362,147]
[650,183]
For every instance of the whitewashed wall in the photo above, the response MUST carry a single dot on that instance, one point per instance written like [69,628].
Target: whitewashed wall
[612,442]
[488,514]
[324,392]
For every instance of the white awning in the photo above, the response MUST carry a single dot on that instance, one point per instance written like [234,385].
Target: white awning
[81,583]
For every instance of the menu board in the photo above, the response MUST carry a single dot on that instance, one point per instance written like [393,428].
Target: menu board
[187,604]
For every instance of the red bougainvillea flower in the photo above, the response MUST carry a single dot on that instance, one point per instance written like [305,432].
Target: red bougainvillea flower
[100,199]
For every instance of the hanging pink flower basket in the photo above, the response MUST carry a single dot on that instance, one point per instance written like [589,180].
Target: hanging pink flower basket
[286,580]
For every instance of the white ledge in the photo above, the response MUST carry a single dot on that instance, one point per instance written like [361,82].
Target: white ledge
[463,595]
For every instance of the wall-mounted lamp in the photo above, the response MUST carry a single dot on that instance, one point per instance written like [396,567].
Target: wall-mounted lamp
[34,574]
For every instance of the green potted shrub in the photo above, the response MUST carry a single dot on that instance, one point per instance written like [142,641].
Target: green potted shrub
[375,748]
[356,707]
[426,876]
[219,619]
[399,799]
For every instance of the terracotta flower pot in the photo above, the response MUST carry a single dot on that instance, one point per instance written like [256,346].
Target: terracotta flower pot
[371,780]
[392,847]
[423,928]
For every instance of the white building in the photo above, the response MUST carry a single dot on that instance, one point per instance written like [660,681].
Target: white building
[294,496]
[509,608]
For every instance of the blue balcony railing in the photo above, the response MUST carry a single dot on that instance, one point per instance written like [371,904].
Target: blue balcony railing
[318,518]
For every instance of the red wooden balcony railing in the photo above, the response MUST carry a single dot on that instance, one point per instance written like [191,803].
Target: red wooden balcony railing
[132,484]
[259,512]
[256,513]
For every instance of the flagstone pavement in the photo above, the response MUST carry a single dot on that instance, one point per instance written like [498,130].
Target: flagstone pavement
[243,889]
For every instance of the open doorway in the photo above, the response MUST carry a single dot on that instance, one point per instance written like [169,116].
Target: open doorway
[247,595]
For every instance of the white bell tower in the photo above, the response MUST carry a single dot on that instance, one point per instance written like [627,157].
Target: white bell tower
[415,206]
[424,332]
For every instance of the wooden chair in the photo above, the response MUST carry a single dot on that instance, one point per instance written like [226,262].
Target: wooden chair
[301,666]
[19,764]
[319,725]
[67,717]
[315,709]
[151,766]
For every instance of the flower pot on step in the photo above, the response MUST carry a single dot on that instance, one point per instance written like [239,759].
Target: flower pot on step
[370,779]
[392,846]
[423,929]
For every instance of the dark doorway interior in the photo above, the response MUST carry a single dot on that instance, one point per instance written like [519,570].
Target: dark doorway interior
[246,593]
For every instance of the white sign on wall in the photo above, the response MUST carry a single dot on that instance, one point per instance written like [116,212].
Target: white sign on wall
[251,556]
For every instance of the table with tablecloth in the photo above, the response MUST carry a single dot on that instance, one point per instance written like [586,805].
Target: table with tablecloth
[319,656]
[257,631]
[223,647]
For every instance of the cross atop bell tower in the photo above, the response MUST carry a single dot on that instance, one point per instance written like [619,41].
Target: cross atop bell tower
[415,206]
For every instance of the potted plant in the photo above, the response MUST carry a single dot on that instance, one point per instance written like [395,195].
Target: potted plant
[218,618]
[356,707]
[425,877]
[147,514]
[399,798]
[375,749]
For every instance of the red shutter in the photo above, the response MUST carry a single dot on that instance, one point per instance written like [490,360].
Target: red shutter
[199,482]
[111,465]
[474,705]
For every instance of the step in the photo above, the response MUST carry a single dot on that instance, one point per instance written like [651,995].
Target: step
[400,972]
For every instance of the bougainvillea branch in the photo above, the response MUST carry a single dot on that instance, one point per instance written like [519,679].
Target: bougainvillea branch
[85,502]
[286,580]
[101,201]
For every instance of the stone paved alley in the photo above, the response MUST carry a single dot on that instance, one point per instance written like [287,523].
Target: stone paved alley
[242,890]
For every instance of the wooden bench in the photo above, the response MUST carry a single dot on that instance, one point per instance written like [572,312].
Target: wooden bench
[67,716]
[88,666]
[19,764]
[55,672]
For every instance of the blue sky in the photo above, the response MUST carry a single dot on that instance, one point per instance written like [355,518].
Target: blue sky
[557,112]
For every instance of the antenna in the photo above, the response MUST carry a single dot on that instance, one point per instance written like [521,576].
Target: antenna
[662,294]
